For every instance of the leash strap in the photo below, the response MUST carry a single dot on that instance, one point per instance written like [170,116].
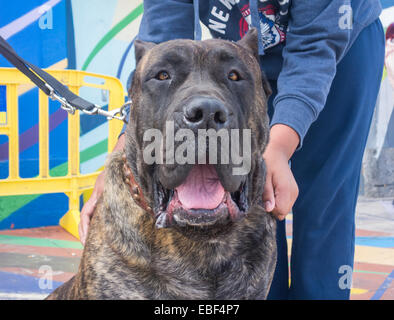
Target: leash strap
[54,88]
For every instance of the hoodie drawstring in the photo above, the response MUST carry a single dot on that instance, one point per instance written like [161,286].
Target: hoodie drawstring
[254,12]
[197,26]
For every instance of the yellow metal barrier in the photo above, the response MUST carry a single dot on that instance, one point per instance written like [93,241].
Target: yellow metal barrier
[74,183]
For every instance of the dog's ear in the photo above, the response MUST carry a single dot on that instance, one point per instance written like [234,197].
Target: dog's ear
[141,48]
[250,42]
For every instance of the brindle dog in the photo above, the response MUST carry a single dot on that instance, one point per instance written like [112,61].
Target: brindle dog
[171,231]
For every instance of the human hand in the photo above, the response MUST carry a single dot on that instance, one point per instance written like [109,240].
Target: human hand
[89,207]
[280,190]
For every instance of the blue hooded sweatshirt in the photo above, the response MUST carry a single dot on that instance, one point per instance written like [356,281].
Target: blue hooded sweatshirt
[300,41]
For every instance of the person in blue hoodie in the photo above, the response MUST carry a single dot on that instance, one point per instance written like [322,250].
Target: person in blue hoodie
[324,60]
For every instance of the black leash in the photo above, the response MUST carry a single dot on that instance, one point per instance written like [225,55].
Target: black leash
[55,89]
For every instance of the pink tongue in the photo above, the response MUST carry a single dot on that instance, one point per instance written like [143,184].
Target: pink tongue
[201,189]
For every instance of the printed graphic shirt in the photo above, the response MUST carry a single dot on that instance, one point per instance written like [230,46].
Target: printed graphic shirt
[273,17]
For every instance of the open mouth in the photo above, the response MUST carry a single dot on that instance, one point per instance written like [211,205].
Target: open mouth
[199,201]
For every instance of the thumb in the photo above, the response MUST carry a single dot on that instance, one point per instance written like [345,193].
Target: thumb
[268,194]
[86,214]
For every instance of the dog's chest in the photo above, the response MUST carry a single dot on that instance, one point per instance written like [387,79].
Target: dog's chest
[169,278]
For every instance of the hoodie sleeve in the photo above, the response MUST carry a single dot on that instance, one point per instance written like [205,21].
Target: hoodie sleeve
[317,39]
[167,20]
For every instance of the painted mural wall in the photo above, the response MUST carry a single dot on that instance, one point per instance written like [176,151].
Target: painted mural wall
[62,34]
[65,34]
[39,35]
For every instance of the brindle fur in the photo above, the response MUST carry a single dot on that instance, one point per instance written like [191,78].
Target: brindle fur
[126,257]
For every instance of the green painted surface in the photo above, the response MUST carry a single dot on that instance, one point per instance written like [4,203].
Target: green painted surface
[39,242]
[10,204]
[372,272]
[18,260]
[112,33]
[60,170]
[94,151]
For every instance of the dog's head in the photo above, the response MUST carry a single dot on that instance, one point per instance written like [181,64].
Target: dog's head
[188,97]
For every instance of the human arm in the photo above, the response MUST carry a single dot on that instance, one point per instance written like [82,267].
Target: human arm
[315,44]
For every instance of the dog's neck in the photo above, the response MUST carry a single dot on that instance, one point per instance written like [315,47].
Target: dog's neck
[135,189]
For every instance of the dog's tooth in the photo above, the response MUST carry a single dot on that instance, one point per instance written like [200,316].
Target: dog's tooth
[162,221]
[135,190]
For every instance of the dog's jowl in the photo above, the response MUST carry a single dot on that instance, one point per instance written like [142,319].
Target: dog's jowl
[185,229]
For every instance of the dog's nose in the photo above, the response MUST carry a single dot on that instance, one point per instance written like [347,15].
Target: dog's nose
[206,113]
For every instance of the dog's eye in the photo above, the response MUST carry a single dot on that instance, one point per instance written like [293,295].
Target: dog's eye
[162,75]
[234,76]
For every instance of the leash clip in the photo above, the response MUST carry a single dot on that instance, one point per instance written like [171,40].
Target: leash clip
[63,102]
[119,113]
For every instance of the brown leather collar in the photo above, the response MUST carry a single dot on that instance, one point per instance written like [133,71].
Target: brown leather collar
[135,189]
